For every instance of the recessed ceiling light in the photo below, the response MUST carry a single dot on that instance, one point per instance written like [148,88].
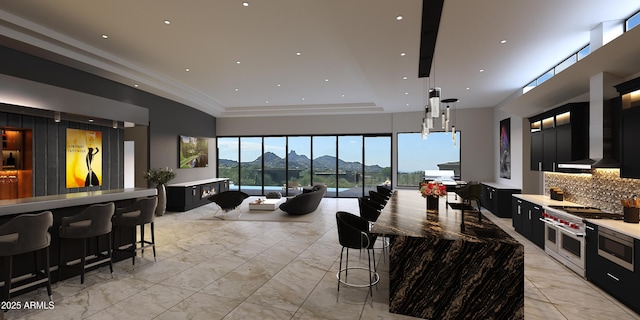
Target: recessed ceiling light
[326,80]
[167,22]
[245,4]
[406,93]
[404,78]
[407,104]
[343,95]
[302,99]
[481,70]
[237,62]
[90,120]
[236,89]
[402,54]
[135,85]
[503,41]
[298,53]
[266,101]
[187,70]
[104,36]
[468,88]
[399,18]
[278,85]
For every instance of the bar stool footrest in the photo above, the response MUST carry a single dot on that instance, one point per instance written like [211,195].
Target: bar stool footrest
[356,285]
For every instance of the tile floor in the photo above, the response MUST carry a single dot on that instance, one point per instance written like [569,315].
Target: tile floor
[214,269]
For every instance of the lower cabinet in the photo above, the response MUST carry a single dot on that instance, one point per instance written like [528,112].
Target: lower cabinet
[526,220]
[496,199]
[616,280]
[186,196]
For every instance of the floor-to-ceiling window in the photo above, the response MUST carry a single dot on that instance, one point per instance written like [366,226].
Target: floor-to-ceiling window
[229,160]
[324,151]
[275,166]
[377,163]
[415,155]
[251,165]
[298,163]
[349,165]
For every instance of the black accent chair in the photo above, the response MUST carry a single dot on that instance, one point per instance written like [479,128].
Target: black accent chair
[353,233]
[386,191]
[22,234]
[140,213]
[379,198]
[470,192]
[92,222]
[228,200]
[368,209]
[305,202]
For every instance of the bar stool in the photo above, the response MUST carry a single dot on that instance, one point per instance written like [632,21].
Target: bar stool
[92,222]
[353,233]
[137,214]
[22,234]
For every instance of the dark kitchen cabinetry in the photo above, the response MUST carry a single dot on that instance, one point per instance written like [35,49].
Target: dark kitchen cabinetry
[629,129]
[186,196]
[526,220]
[497,198]
[560,135]
[616,280]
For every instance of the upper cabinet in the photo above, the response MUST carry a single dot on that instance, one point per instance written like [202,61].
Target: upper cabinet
[629,128]
[560,135]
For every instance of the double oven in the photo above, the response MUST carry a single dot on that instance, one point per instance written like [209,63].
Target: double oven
[564,239]
[565,236]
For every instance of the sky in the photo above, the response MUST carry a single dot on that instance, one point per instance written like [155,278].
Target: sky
[414,153]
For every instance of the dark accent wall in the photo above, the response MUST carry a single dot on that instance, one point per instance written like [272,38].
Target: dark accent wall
[167,119]
[49,154]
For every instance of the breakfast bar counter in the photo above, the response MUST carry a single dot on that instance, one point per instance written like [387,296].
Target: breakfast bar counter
[439,270]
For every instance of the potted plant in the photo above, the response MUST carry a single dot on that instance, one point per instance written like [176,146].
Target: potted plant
[160,177]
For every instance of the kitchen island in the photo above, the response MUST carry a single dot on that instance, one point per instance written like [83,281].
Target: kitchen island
[437,271]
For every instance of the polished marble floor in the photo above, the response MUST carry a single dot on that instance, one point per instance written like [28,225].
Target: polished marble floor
[225,269]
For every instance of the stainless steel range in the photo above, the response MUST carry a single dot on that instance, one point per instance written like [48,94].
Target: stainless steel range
[564,233]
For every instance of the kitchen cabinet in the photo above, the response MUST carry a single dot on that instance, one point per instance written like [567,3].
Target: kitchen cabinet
[558,136]
[619,282]
[497,199]
[629,128]
[526,220]
[186,196]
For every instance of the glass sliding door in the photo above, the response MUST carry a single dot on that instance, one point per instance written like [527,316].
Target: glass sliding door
[299,164]
[350,166]
[324,163]
[275,169]
[228,160]
[377,162]
[251,165]
[436,153]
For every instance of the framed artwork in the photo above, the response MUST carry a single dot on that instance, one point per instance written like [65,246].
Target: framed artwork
[84,160]
[193,152]
[505,148]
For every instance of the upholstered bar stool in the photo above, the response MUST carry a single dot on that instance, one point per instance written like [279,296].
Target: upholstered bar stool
[353,233]
[22,234]
[370,212]
[92,222]
[137,214]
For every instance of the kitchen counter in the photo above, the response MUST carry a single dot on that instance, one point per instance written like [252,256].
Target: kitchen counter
[438,271]
[630,229]
[198,182]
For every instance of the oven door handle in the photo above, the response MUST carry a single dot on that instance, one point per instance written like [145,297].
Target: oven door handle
[571,232]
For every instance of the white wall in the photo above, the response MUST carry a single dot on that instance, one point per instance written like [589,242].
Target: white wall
[475,125]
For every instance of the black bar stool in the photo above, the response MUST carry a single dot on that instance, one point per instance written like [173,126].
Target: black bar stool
[92,222]
[137,214]
[22,234]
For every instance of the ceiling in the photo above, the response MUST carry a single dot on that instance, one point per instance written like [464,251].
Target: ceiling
[305,57]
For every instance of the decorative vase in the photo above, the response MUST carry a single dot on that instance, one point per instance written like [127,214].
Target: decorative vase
[432,203]
[162,199]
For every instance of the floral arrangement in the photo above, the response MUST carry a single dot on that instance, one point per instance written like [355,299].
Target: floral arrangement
[433,189]
[159,175]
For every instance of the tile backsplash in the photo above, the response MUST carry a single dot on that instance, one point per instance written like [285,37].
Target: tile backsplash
[603,188]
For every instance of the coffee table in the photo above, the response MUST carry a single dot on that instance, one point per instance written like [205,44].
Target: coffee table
[266,204]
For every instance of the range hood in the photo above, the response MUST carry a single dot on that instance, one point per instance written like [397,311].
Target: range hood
[610,142]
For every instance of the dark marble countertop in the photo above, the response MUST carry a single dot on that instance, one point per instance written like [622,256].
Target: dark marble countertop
[405,215]
[43,203]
